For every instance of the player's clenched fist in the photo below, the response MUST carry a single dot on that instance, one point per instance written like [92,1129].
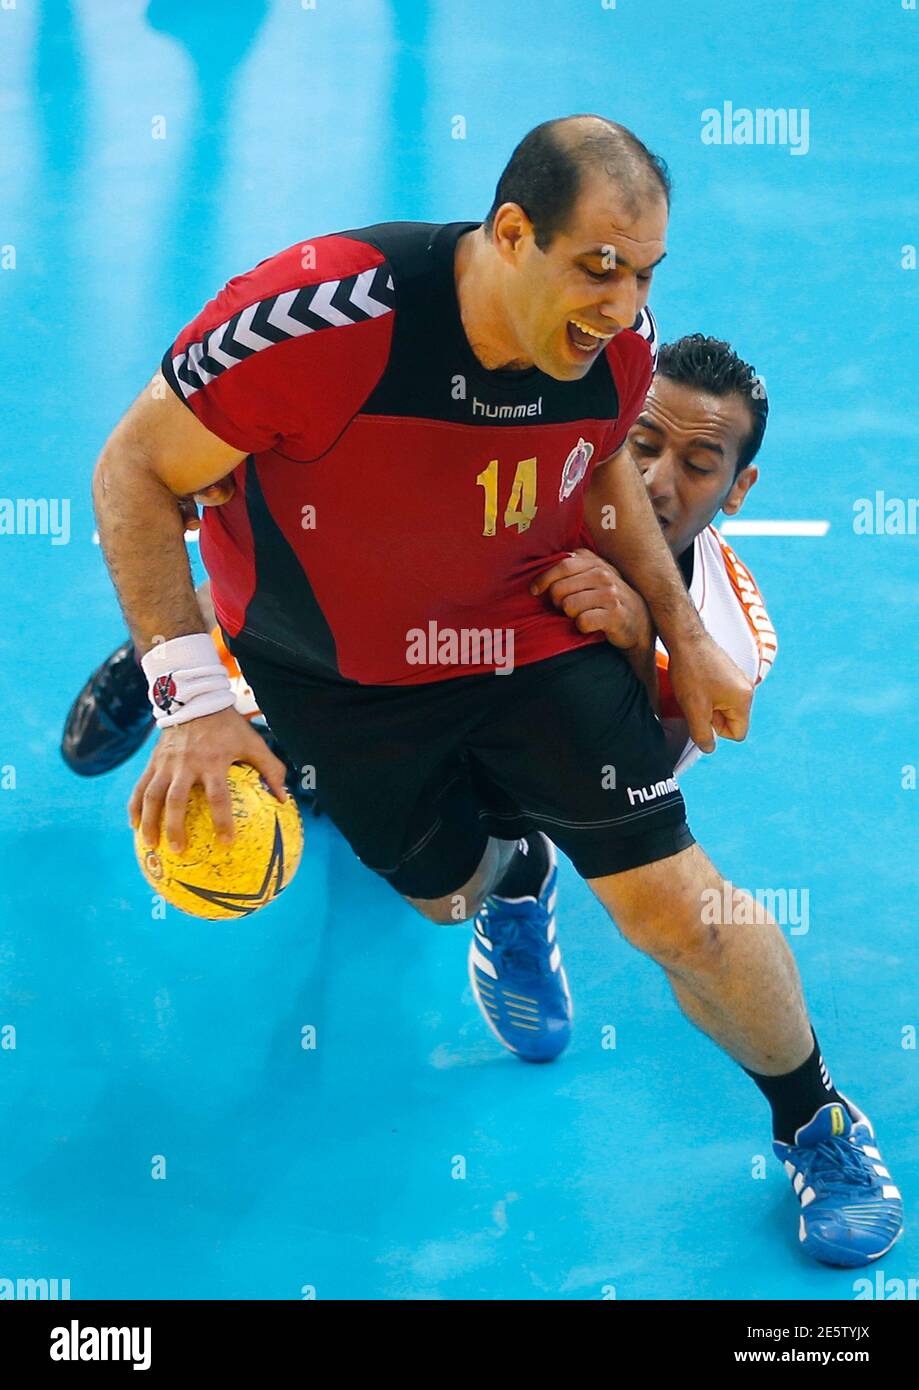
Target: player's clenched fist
[713,693]
[199,751]
[594,595]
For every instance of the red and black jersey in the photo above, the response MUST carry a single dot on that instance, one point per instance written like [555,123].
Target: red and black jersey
[392,486]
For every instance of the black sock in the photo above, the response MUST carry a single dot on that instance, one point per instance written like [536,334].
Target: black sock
[798,1095]
[526,873]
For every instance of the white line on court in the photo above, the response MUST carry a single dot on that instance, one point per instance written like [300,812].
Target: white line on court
[774,528]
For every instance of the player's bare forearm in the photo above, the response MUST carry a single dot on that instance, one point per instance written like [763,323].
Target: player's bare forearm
[625,532]
[141,531]
[712,691]
[156,457]
[643,661]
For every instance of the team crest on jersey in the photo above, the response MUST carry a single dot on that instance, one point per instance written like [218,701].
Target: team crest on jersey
[575,468]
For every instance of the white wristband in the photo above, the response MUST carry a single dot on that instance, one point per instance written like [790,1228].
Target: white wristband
[186,679]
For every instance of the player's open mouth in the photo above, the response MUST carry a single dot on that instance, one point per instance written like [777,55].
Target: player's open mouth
[586,339]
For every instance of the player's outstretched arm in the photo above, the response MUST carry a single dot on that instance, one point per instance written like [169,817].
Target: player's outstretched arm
[713,692]
[157,453]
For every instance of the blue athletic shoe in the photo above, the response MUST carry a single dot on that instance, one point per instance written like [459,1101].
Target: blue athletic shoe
[851,1211]
[516,972]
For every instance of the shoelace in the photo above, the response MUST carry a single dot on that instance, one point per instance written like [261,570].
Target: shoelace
[837,1164]
[517,949]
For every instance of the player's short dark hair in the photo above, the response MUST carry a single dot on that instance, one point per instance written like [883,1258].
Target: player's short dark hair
[546,172]
[708,364]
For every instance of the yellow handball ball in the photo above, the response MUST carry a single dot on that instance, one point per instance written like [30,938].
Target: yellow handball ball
[212,880]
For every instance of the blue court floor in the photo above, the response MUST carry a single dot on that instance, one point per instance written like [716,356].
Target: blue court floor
[149,153]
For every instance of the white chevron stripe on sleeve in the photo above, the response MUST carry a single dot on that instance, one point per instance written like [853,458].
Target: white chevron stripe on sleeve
[216,352]
[195,354]
[647,328]
[243,332]
[185,387]
[360,296]
[280,318]
[321,304]
[318,300]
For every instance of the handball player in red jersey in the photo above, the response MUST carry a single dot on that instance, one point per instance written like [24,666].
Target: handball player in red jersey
[421,420]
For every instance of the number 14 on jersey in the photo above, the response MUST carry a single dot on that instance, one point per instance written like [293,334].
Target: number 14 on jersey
[521,504]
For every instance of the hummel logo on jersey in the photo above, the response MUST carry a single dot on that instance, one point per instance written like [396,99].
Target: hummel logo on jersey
[331,304]
[506,412]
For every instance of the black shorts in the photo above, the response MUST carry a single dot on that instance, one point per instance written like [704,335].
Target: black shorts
[418,777]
